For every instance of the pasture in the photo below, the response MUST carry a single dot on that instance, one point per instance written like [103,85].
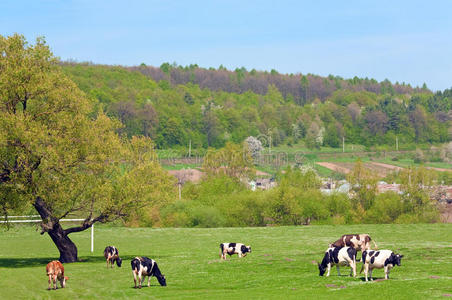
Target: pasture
[281,264]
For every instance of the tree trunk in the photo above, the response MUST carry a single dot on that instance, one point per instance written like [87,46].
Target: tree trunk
[51,225]
[67,248]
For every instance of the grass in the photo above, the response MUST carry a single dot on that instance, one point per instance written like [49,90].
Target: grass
[280,265]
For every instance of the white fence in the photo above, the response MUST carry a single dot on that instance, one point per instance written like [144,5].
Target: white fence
[39,220]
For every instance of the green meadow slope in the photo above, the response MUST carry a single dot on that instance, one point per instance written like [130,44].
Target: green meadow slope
[281,265]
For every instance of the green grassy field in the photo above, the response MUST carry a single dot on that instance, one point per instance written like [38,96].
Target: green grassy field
[281,264]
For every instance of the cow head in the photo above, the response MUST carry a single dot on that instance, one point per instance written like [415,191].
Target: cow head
[398,259]
[325,261]
[162,280]
[244,249]
[322,269]
[119,261]
[63,281]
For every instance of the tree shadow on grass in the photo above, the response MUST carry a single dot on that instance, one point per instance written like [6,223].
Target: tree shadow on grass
[30,262]
[25,262]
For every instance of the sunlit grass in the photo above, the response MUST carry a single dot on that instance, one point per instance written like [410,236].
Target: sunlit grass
[281,264]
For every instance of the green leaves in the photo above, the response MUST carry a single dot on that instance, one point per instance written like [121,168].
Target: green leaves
[56,147]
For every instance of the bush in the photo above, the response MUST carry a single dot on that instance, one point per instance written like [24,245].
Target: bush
[205,216]
[386,208]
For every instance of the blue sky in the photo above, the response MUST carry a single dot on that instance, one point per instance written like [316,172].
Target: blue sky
[405,41]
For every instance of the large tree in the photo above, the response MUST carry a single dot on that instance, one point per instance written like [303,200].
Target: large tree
[61,157]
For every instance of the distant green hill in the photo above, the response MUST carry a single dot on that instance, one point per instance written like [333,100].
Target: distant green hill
[175,105]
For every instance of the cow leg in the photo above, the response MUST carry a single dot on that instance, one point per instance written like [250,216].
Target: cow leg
[387,269]
[54,280]
[50,282]
[366,270]
[135,278]
[328,270]
[370,274]
[139,280]
[142,280]
[353,268]
[240,254]
[149,281]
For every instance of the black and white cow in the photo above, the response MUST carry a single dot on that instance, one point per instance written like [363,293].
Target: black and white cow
[233,248]
[111,254]
[379,259]
[143,266]
[339,256]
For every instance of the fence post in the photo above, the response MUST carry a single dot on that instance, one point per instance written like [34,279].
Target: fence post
[92,238]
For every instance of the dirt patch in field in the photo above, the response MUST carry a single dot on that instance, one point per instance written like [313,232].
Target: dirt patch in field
[261,173]
[192,175]
[335,167]
[195,175]
[379,169]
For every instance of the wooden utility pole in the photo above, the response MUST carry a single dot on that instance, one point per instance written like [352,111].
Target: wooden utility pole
[269,140]
[180,193]
[189,149]
[343,144]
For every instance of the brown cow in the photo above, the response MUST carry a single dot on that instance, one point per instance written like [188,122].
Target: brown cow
[55,270]
[357,241]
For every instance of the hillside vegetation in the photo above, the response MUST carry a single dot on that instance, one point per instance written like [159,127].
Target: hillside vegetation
[175,105]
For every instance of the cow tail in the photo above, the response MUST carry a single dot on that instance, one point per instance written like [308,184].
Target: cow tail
[221,250]
[375,244]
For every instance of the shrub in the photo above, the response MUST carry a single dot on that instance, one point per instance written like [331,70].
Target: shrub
[386,208]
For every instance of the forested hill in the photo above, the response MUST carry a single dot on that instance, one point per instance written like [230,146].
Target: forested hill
[175,105]
[300,88]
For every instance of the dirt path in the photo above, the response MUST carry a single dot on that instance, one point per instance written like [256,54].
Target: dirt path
[397,168]
[334,167]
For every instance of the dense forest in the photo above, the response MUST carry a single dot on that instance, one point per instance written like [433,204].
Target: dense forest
[209,107]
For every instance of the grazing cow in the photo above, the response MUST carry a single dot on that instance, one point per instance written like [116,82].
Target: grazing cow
[233,248]
[357,241]
[345,256]
[112,255]
[379,259]
[55,270]
[143,266]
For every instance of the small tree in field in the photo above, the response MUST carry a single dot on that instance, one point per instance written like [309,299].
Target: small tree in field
[57,156]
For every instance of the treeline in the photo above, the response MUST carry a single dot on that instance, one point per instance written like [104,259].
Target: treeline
[174,115]
[221,200]
[301,89]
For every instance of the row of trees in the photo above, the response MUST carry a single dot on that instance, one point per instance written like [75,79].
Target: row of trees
[221,200]
[173,115]
[302,89]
